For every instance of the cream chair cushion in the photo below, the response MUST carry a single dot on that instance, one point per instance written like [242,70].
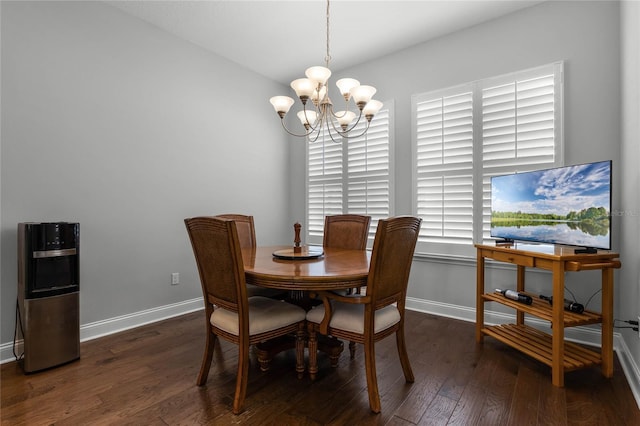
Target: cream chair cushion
[350,317]
[264,315]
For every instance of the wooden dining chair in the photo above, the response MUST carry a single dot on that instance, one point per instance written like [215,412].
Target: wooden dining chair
[379,313]
[229,313]
[247,237]
[348,231]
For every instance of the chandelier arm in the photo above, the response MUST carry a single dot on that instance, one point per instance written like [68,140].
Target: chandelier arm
[339,132]
[348,136]
[315,138]
[338,128]
[319,118]
[294,134]
[345,132]
[332,136]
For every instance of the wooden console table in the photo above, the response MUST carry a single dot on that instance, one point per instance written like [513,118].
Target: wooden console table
[550,349]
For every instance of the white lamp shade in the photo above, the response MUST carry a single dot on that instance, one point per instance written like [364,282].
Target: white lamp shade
[362,93]
[346,84]
[372,107]
[309,118]
[319,75]
[303,87]
[345,117]
[281,104]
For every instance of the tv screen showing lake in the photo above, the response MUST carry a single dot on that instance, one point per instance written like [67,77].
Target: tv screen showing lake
[566,205]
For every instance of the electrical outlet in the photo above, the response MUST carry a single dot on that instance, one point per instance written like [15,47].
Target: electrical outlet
[175,278]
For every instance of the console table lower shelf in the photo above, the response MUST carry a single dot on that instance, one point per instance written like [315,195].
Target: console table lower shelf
[538,345]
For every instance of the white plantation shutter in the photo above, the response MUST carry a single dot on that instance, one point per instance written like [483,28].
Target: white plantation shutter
[521,128]
[518,123]
[466,134]
[368,171]
[444,165]
[324,165]
[351,177]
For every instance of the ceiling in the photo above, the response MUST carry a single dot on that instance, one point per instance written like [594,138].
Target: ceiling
[280,39]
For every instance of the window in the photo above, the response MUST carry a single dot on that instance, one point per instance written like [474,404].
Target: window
[463,135]
[353,176]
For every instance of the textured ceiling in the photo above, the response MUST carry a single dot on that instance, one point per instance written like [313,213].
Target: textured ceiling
[280,39]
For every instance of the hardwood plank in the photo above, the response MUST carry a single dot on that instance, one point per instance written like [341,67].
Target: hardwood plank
[523,410]
[439,411]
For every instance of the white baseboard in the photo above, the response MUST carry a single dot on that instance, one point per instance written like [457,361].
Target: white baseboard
[584,335]
[114,325]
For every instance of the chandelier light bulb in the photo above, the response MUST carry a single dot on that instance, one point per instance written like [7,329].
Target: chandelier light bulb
[307,118]
[362,95]
[304,88]
[371,108]
[319,75]
[282,104]
[345,85]
[345,118]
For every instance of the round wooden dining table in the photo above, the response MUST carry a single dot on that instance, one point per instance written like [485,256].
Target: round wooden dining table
[333,270]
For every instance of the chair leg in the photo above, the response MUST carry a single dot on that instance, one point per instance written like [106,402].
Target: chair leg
[313,351]
[352,350]
[372,380]
[404,357]
[206,358]
[241,379]
[300,340]
[264,358]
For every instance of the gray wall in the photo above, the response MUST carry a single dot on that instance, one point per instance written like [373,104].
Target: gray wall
[128,130]
[629,282]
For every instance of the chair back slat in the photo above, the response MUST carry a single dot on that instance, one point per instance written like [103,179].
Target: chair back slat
[391,259]
[346,231]
[219,259]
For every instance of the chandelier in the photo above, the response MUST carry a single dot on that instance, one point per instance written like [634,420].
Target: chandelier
[321,118]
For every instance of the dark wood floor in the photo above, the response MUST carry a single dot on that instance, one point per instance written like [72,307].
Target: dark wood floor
[146,376]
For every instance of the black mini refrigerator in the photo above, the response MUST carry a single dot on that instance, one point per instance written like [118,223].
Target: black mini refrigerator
[48,293]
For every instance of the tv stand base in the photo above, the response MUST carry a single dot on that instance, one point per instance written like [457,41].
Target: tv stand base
[587,250]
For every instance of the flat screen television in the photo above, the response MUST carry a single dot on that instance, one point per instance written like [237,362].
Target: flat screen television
[568,205]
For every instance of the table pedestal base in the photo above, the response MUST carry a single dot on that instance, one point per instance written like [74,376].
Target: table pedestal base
[266,350]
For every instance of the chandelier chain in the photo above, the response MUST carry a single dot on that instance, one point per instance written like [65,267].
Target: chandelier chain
[327,58]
